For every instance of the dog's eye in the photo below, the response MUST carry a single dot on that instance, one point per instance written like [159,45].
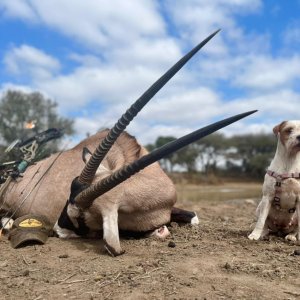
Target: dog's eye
[288,130]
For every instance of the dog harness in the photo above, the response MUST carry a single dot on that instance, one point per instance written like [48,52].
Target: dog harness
[279,178]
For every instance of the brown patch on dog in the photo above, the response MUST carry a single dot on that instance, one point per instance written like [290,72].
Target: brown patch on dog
[283,131]
[278,127]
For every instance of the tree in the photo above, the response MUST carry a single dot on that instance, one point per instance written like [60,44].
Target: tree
[167,163]
[185,157]
[18,109]
[254,151]
[211,150]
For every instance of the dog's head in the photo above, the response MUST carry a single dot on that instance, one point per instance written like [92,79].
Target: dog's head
[288,133]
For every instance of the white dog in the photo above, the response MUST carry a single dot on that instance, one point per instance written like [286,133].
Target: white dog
[279,209]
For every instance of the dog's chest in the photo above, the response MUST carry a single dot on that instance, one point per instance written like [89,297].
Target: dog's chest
[286,194]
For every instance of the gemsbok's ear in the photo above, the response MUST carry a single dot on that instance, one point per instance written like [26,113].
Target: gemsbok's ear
[86,154]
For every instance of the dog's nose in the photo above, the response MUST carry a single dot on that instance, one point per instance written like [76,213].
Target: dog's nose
[298,138]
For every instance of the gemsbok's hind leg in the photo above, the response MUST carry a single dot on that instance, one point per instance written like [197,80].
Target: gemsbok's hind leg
[179,215]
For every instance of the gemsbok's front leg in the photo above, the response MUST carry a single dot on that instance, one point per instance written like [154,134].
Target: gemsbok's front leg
[111,232]
[260,226]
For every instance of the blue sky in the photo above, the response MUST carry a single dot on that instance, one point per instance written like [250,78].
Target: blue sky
[95,57]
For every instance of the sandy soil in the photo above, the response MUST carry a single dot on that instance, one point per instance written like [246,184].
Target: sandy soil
[214,260]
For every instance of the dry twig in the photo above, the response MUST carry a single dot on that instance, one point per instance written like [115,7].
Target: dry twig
[62,280]
[25,261]
[76,281]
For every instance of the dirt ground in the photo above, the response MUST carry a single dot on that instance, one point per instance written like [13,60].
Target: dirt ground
[214,260]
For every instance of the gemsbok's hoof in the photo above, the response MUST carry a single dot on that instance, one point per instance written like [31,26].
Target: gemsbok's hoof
[112,251]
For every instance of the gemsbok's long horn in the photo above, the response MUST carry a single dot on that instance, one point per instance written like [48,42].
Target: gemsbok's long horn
[85,199]
[89,171]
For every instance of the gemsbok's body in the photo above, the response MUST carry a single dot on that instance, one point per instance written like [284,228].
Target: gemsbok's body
[143,202]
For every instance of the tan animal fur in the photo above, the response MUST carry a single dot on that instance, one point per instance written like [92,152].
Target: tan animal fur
[141,203]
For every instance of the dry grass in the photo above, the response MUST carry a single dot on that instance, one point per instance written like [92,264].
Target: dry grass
[217,193]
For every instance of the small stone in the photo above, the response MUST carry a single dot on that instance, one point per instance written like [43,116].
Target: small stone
[3,264]
[63,256]
[98,278]
[227,266]
[224,218]
[297,252]
[171,244]
[25,273]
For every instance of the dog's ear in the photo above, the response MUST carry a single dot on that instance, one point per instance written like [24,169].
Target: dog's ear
[278,127]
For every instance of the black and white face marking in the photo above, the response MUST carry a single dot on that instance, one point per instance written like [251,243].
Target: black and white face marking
[70,224]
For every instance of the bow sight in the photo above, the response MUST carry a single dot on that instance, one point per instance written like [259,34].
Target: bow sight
[29,149]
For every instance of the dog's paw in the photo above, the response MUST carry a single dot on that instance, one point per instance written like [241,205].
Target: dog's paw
[291,237]
[254,236]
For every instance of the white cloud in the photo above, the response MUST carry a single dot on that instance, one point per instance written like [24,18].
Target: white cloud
[243,127]
[263,72]
[17,8]
[94,80]
[10,86]
[271,105]
[155,53]
[144,132]
[98,23]
[255,72]
[147,134]
[86,125]
[196,18]
[291,35]
[190,107]
[31,62]
[104,85]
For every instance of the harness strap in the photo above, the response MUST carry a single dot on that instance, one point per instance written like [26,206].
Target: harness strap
[279,178]
[283,175]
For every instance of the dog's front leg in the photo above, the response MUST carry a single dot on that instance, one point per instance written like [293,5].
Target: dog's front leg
[264,208]
[295,234]
[111,232]
[298,217]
